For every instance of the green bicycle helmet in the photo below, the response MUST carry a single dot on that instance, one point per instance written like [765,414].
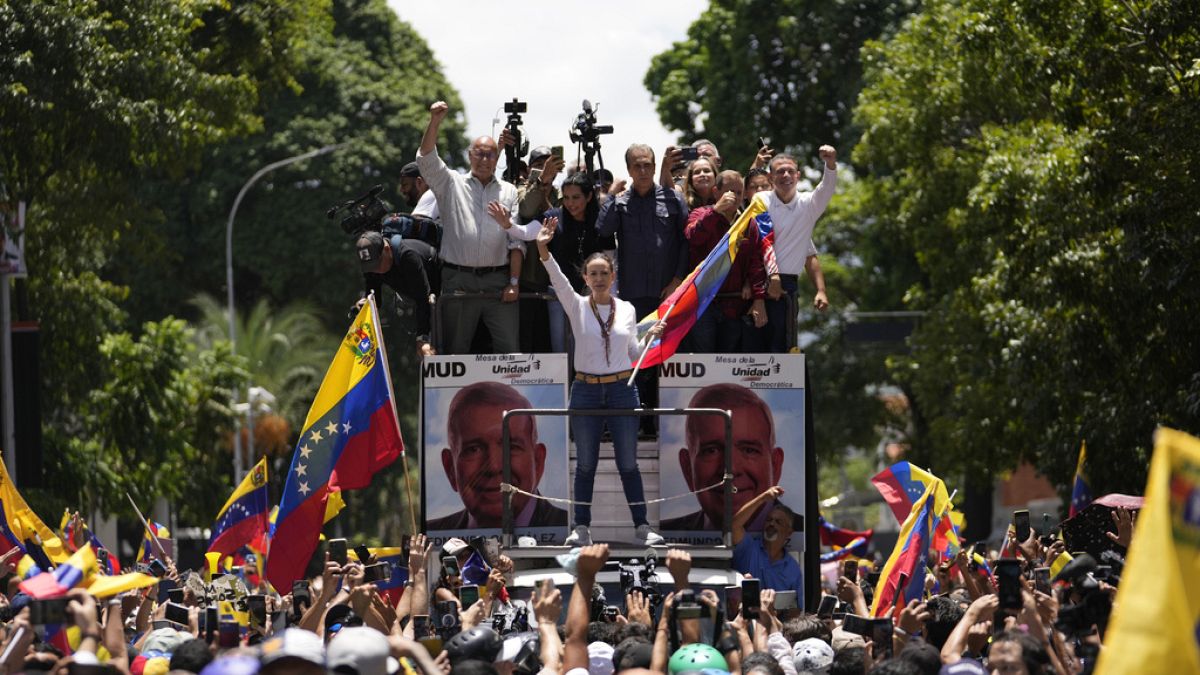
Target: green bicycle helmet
[695,657]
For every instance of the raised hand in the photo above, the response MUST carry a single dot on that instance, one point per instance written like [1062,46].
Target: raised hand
[828,155]
[591,560]
[1123,519]
[546,234]
[500,214]
[438,111]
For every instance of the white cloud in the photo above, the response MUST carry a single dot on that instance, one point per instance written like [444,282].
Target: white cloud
[567,51]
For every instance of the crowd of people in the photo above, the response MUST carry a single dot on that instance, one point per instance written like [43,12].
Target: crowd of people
[656,226]
[460,613]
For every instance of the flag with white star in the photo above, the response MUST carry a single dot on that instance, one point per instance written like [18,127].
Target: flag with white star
[243,519]
[351,433]
[902,485]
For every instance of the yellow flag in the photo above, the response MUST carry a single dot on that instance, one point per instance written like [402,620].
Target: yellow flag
[103,587]
[1156,617]
[334,505]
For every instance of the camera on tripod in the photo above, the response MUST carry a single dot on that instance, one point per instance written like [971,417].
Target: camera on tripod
[585,129]
[513,153]
[365,212]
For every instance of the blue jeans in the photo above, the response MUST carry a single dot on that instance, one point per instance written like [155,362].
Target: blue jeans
[587,430]
[560,329]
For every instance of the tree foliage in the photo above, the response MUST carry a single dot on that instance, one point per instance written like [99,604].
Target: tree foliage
[1039,161]
[785,69]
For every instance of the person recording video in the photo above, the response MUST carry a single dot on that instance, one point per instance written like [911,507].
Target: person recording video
[406,266]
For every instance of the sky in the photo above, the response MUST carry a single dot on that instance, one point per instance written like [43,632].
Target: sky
[563,59]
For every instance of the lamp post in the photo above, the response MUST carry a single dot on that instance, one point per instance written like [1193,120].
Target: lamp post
[237,440]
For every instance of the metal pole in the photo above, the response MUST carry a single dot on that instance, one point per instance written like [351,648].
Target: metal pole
[237,441]
[10,434]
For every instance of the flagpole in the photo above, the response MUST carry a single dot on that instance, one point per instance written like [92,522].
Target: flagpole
[387,374]
[646,349]
[145,524]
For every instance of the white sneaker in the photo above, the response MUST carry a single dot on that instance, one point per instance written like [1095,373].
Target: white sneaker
[582,536]
[649,536]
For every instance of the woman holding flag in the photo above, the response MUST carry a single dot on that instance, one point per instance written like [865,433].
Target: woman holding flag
[606,347]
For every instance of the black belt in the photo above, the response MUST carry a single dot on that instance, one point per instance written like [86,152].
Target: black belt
[474,270]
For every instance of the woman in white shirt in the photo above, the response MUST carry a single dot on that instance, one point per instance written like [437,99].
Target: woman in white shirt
[606,348]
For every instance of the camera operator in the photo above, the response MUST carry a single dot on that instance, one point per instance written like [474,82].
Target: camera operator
[417,193]
[405,265]
[477,258]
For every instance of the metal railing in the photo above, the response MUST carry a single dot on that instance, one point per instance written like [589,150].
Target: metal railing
[726,479]
[435,318]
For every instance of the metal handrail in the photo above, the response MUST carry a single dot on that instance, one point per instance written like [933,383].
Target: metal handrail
[727,479]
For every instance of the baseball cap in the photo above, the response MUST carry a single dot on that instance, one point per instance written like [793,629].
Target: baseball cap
[600,658]
[410,170]
[539,153]
[164,641]
[812,655]
[294,643]
[843,639]
[370,250]
[360,650]
[454,546]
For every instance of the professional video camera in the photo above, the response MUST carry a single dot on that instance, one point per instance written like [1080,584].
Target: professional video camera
[513,153]
[369,212]
[365,212]
[1091,606]
[585,129]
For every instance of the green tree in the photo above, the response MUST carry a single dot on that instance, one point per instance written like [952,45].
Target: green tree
[148,429]
[286,350]
[1039,162]
[788,70]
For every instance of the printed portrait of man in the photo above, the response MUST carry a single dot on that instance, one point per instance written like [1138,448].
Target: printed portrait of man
[474,466]
[757,461]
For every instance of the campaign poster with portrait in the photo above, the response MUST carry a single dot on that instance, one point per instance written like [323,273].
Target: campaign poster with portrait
[765,394]
[464,399]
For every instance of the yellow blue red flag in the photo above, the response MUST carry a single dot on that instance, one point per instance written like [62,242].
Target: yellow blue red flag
[351,433]
[21,528]
[242,521]
[693,296]
[1155,623]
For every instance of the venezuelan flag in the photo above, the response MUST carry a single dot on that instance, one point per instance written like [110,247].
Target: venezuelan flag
[392,556]
[21,528]
[902,484]
[1155,623]
[78,570]
[67,528]
[1081,492]
[351,433]
[693,296]
[909,559]
[242,521]
[855,548]
[832,535]
[147,551]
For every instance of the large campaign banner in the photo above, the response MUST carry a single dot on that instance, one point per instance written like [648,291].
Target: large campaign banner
[765,394]
[464,399]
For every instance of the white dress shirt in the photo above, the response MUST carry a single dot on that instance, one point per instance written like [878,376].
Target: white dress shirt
[470,237]
[794,222]
[624,347]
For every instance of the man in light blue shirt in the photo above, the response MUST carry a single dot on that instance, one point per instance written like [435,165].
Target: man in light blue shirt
[764,556]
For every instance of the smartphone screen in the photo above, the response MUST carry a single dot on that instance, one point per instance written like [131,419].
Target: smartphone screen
[363,553]
[1008,573]
[420,626]
[750,599]
[690,154]
[859,625]
[157,568]
[733,602]
[229,635]
[377,572]
[469,595]
[850,570]
[881,635]
[1041,579]
[338,552]
[1021,522]
[300,595]
[210,624]
[256,606]
[828,605]
[449,566]
[176,613]
[785,600]
[46,612]
[557,151]
[175,595]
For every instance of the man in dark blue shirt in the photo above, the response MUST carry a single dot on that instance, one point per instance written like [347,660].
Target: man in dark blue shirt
[764,556]
[652,251]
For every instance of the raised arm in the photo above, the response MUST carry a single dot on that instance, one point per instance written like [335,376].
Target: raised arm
[437,113]
[591,561]
[738,526]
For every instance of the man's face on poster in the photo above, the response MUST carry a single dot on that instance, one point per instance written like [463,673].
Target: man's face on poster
[474,462]
[757,464]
